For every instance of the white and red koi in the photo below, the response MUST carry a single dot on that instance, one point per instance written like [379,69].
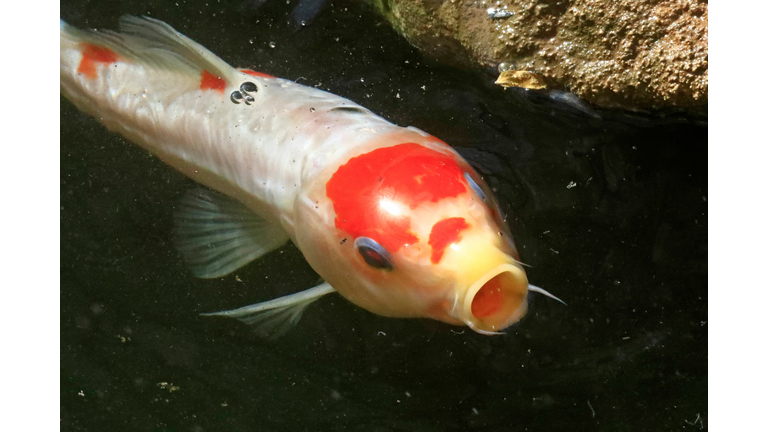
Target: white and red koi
[392,218]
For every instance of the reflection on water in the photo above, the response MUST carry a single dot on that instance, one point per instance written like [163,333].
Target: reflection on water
[610,212]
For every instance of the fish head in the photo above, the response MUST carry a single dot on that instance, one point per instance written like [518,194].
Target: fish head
[411,230]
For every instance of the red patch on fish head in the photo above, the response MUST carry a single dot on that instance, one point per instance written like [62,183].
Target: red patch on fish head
[255,74]
[208,81]
[373,193]
[93,54]
[443,234]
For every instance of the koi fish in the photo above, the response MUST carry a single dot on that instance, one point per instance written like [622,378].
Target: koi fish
[391,217]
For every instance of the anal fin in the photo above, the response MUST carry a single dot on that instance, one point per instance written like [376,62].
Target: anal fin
[272,319]
[216,235]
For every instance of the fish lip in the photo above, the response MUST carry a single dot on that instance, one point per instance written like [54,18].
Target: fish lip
[518,288]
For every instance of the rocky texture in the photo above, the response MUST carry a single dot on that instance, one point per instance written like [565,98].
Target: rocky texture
[642,54]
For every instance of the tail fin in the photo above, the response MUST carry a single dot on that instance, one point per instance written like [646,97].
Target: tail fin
[153,43]
[65,33]
[67,38]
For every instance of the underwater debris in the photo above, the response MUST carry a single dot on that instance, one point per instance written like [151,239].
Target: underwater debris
[521,78]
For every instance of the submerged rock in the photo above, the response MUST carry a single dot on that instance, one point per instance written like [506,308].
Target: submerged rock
[643,54]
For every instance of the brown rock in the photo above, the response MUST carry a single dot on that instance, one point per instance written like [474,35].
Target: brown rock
[641,54]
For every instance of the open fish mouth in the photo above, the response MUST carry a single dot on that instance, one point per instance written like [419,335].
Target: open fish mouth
[496,300]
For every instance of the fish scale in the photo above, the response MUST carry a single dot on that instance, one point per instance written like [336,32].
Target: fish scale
[296,163]
[225,146]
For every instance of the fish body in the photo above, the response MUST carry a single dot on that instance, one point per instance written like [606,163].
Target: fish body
[392,218]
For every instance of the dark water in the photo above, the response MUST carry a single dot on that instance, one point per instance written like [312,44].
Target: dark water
[626,247]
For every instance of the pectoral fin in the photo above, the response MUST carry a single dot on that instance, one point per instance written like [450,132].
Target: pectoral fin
[216,235]
[273,318]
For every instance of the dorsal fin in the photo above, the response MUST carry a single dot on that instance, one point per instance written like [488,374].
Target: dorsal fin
[156,44]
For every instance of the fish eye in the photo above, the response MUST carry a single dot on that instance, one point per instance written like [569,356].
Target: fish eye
[373,253]
[475,187]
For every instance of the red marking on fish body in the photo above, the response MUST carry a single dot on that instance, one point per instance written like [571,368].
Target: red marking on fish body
[365,189]
[254,73]
[93,54]
[443,234]
[210,82]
